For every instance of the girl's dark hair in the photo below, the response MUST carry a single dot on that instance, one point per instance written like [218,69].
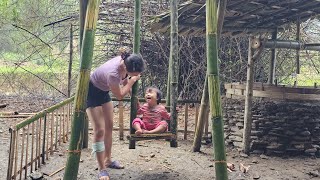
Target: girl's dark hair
[159,93]
[133,62]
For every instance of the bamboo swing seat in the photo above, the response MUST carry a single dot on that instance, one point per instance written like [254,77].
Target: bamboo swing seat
[165,135]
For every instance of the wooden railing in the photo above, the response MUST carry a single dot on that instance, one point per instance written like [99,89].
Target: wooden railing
[36,138]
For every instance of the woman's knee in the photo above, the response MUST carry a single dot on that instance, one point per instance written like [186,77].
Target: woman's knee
[99,133]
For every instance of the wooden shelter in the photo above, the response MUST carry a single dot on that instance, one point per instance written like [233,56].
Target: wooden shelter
[249,17]
[241,16]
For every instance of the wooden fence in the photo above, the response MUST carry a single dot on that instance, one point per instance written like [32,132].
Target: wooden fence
[36,138]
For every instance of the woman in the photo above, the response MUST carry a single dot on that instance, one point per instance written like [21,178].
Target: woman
[109,77]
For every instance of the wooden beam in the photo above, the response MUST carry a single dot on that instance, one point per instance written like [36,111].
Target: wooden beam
[298,51]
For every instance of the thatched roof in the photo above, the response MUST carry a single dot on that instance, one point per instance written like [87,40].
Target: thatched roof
[241,16]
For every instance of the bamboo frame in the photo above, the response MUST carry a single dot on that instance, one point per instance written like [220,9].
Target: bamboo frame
[186,114]
[22,151]
[121,120]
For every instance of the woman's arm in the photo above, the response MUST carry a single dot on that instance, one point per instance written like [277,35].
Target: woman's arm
[121,92]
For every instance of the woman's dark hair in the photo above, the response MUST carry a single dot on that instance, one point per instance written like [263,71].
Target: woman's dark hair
[159,93]
[133,62]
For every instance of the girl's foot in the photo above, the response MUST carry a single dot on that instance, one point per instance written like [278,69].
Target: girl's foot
[145,131]
[138,132]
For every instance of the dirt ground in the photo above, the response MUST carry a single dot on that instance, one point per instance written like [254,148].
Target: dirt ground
[155,159]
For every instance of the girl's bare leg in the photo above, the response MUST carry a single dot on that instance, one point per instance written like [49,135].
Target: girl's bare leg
[160,129]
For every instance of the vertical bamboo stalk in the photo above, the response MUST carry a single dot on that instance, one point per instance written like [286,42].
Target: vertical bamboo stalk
[248,101]
[70,60]
[186,114]
[68,121]
[206,126]
[51,132]
[60,126]
[16,155]
[77,131]
[36,144]
[44,138]
[272,70]
[27,153]
[11,153]
[32,146]
[120,120]
[196,116]
[39,143]
[203,117]
[174,56]
[63,125]
[214,90]
[83,11]
[136,49]
[56,129]
[47,135]
[298,51]
[22,150]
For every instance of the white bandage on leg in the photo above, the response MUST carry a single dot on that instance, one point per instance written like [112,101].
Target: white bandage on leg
[97,147]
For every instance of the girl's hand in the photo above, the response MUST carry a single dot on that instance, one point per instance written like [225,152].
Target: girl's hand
[134,78]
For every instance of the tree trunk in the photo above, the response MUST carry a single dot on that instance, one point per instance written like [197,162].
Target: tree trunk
[214,91]
[77,132]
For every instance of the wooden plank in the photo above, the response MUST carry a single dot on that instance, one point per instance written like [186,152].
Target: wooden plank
[150,136]
[121,109]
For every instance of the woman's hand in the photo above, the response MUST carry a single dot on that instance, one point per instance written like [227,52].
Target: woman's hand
[134,78]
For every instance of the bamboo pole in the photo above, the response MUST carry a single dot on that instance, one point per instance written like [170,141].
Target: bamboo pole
[36,144]
[83,11]
[47,135]
[214,90]
[27,152]
[56,130]
[136,49]
[39,144]
[16,155]
[174,51]
[11,153]
[51,133]
[204,107]
[63,125]
[22,150]
[298,51]
[202,119]
[77,128]
[69,118]
[186,121]
[44,139]
[272,70]
[70,60]
[248,101]
[120,120]
[32,146]
[196,116]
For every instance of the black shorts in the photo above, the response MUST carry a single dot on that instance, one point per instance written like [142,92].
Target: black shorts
[97,97]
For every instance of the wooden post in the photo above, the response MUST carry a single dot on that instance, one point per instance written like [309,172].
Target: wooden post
[248,101]
[11,153]
[27,152]
[272,66]
[32,146]
[298,51]
[51,133]
[16,154]
[44,139]
[22,150]
[186,109]
[70,61]
[120,120]
[39,144]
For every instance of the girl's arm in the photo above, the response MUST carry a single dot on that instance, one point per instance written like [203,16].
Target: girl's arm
[121,92]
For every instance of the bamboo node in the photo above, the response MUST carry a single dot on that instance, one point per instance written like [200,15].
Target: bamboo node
[77,151]
[220,161]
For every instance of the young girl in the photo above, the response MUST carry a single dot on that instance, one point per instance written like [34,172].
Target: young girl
[154,115]
[109,77]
